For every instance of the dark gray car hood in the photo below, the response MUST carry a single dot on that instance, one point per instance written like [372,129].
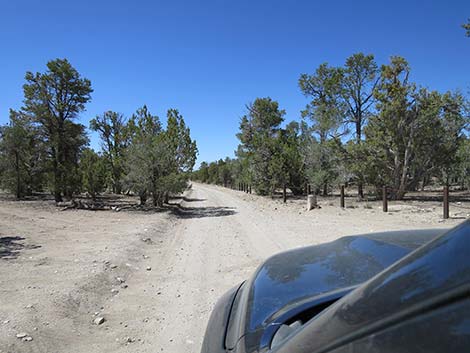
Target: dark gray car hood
[299,277]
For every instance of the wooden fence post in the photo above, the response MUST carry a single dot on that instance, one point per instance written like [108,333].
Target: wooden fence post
[342,196]
[309,189]
[250,188]
[446,202]
[284,193]
[384,199]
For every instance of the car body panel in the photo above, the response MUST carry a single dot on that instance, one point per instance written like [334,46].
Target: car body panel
[443,330]
[214,339]
[427,282]
[310,277]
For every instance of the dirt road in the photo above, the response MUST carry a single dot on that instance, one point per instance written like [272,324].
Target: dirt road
[153,277]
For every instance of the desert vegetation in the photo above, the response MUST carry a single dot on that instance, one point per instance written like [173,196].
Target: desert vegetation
[365,124]
[43,148]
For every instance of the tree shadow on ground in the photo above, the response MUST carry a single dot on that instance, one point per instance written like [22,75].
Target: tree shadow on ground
[186,199]
[10,247]
[189,199]
[202,212]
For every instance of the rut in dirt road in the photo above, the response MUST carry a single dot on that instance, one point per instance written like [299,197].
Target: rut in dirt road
[218,242]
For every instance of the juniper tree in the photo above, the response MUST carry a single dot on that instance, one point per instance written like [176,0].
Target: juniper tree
[93,172]
[54,99]
[259,130]
[113,131]
[415,134]
[22,164]
[157,160]
[323,116]
[359,79]
[466,26]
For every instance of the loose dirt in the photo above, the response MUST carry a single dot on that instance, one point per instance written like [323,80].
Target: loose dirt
[155,276]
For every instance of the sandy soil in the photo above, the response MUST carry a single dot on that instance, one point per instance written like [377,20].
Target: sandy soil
[155,276]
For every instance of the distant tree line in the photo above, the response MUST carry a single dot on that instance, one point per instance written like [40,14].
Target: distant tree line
[44,148]
[363,125]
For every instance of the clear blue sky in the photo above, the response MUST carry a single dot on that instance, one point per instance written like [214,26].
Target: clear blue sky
[209,58]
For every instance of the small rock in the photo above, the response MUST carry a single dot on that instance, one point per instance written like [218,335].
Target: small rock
[115,291]
[27,339]
[120,280]
[21,335]
[99,320]
[6,322]
[149,268]
[114,266]
[124,285]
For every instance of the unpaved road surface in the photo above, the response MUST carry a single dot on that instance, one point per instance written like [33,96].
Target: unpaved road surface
[154,277]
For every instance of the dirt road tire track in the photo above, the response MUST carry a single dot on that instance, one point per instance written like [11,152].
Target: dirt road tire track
[190,258]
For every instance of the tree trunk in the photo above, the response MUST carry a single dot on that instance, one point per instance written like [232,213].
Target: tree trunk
[359,128]
[284,193]
[360,190]
[143,198]
[58,160]
[404,173]
[325,189]
[117,189]
[57,183]
[18,176]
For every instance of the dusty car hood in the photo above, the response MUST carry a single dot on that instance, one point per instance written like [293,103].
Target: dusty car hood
[432,284]
[303,275]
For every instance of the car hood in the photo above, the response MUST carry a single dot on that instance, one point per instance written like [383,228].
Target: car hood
[420,285]
[310,276]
